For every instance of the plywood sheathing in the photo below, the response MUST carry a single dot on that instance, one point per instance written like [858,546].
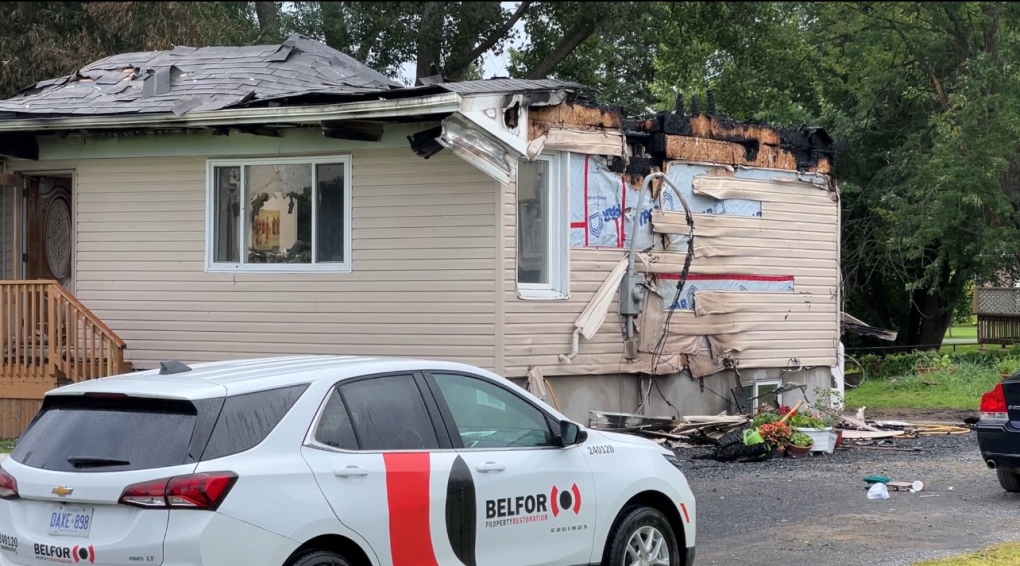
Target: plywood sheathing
[689,148]
[572,115]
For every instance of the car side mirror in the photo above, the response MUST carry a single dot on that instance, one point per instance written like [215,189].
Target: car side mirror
[571,434]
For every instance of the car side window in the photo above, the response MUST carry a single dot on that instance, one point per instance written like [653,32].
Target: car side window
[335,429]
[388,413]
[489,416]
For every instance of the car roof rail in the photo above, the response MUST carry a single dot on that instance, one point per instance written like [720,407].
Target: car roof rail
[173,366]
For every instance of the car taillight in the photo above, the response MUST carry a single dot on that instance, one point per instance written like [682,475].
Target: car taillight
[195,491]
[8,486]
[993,405]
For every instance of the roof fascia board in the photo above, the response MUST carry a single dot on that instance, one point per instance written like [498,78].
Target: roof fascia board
[435,104]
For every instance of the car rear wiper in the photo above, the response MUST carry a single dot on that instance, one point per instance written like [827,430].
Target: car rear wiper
[95,462]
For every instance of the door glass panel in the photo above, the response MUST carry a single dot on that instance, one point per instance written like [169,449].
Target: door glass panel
[489,416]
[335,428]
[388,413]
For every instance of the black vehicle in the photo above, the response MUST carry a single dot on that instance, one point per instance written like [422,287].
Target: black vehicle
[998,432]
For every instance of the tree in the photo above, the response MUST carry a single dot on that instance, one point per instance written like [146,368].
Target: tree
[42,40]
[925,105]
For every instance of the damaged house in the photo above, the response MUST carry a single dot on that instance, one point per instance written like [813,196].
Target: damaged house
[226,202]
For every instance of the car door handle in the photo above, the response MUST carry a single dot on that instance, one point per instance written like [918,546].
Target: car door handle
[349,471]
[490,467]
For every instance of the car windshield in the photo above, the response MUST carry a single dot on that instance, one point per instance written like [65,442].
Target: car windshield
[97,435]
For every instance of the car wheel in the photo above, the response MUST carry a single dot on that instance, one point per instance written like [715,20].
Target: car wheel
[641,537]
[1010,481]
[319,558]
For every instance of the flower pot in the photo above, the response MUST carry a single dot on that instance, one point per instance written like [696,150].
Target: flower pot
[798,451]
[824,440]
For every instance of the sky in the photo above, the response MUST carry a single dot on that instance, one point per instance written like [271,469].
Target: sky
[492,65]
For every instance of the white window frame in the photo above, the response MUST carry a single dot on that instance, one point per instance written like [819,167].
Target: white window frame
[754,385]
[211,265]
[558,236]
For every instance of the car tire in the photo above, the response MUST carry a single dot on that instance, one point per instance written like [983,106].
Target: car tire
[1010,481]
[319,558]
[638,524]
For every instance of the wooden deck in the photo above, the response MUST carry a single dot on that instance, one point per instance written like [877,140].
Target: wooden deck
[48,338]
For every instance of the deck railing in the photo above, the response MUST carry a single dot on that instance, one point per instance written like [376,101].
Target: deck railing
[47,334]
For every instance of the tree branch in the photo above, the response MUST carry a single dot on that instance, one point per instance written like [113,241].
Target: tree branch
[487,43]
[570,42]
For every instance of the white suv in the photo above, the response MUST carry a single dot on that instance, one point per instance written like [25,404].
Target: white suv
[338,461]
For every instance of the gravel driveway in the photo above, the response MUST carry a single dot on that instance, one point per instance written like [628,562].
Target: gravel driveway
[815,511]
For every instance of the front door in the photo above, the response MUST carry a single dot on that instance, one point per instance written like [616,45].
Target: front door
[535,500]
[48,223]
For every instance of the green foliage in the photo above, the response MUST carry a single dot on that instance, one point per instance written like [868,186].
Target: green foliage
[800,440]
[1008,366]
[960,387]
[804,420]
[900,365]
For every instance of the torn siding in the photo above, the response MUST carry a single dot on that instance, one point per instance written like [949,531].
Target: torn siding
[763,288]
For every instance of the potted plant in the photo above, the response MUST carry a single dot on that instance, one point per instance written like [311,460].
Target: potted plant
[800,445]
[776,435]
[931,362]
[814,426]
[1007,367]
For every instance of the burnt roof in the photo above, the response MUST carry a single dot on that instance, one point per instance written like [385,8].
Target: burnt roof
[185,79]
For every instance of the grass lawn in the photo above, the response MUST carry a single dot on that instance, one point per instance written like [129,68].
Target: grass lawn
[964,331]
[7,445]
[954,388]
[1002,555]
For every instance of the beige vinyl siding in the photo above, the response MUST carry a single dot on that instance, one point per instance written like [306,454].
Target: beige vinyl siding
[763,329]
[797,234]
[423,281]
[536,332]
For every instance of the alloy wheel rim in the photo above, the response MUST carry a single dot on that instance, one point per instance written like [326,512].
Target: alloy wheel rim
[646,547]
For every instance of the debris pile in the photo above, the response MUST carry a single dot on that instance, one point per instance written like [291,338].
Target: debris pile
[684,432]
[742,438]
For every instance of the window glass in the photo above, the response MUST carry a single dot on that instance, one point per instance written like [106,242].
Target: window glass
[489,416]
[79,434]
[280,213]
[330,230]
[388,413]
[335,427]
[533,222]
[227,203]
[246,420]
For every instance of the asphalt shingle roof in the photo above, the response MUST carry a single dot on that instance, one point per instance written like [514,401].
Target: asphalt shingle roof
[187,79]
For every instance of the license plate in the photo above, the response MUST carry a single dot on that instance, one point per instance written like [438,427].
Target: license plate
[70,521]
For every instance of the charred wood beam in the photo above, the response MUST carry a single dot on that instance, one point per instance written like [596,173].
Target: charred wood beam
[19,146]
[260,131]
[424,143]
[356,130]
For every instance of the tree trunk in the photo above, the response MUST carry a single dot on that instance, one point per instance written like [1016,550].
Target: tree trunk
[268,14]
[571,40]
[430,44]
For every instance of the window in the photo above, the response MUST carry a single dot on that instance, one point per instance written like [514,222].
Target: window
[761,393]
[488,416]
[542,251]
[79,434]
[246,420]
[335,429]
[388,413]
[279,215]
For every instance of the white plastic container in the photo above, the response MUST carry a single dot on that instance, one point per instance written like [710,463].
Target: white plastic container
[825,439]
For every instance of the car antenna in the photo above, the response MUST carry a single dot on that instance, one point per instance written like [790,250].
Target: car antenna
[173,366]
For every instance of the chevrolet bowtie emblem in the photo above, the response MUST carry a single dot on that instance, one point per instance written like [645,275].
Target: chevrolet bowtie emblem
[63,491]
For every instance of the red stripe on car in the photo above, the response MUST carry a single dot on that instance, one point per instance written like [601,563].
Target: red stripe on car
[407,498]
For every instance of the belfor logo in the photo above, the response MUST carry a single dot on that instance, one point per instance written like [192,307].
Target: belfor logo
[84,553]
[565,500]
